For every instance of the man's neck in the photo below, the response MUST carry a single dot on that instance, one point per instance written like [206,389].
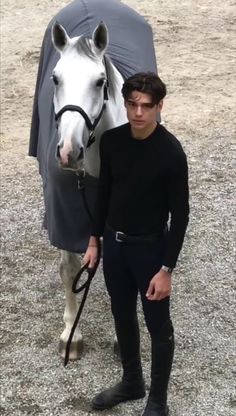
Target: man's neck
[143,134]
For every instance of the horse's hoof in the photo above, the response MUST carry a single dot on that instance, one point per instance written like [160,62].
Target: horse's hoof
[76,349]
[116,349]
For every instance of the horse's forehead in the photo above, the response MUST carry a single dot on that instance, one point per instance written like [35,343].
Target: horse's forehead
[72,61]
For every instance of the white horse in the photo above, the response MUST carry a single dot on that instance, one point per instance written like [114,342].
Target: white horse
[87,97]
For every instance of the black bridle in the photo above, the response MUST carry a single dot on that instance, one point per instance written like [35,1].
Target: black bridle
[91,126]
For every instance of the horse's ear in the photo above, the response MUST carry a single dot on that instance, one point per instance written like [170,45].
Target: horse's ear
[100,37]
[59,37]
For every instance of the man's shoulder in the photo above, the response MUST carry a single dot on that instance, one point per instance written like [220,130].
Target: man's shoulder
[170,141]
[116,132]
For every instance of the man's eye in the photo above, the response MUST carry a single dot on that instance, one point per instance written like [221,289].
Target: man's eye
[148,105]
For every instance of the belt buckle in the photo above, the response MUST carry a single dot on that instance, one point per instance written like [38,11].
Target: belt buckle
[118,236]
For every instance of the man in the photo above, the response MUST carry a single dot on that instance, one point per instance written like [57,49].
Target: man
[143,179]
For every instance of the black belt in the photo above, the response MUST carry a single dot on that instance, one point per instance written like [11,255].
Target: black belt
[121,237]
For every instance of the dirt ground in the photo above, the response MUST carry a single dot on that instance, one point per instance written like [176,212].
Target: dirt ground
[195,49]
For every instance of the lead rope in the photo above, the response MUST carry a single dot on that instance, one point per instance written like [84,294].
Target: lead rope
[90,271]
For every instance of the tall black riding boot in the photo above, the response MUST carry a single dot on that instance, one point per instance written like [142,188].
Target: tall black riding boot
[131,386]
[162,358]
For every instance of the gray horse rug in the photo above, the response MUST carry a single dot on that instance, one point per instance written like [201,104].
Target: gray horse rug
[131,50]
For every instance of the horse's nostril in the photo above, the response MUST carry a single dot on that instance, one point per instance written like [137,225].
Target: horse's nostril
[68,158]
[81,154]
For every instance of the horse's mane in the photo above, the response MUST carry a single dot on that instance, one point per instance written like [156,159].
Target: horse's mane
[83,46]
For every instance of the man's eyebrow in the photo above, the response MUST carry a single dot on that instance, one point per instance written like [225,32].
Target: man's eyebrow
[136,101]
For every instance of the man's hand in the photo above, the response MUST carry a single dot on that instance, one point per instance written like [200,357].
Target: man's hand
[91,254]
[160,286]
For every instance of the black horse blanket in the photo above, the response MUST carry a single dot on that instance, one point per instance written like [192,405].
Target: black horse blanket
[131,50]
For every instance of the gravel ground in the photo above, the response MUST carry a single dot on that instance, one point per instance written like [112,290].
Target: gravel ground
[196,54]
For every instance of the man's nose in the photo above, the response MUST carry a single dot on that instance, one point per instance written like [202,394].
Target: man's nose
[139,110]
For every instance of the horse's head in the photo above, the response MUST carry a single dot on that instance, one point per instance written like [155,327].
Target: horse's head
[80,91]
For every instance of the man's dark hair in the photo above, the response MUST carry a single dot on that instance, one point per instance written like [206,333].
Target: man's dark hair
[145,82]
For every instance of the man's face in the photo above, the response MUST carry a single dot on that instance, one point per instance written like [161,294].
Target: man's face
[141,112]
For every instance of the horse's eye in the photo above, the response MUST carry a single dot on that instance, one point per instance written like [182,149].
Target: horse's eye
[100,82]
[55,79]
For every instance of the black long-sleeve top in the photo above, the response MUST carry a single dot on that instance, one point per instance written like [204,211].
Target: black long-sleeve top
[141,184]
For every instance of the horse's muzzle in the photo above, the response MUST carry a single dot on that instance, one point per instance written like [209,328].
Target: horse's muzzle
[70,160]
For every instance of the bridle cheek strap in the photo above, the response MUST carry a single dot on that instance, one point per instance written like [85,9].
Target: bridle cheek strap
[91,126]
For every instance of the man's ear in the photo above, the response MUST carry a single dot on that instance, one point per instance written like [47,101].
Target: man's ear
[160,105]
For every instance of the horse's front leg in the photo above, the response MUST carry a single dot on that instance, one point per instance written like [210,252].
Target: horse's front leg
[69,267]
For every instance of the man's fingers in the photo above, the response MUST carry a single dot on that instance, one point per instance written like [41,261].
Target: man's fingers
[92,263]
[89,259]
[150,290]
[155,296]
[155,293]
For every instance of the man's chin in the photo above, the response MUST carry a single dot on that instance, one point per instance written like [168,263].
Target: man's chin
[138,124]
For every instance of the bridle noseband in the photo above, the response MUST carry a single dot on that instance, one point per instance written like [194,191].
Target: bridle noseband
[91,126]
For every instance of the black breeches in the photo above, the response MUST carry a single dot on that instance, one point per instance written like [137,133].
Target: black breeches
[128,269]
